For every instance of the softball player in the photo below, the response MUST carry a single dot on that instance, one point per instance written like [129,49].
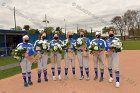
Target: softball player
[57,56]
[25,63]
[102,44]
[83,60]
[42,62]
[69,60]
[113,60]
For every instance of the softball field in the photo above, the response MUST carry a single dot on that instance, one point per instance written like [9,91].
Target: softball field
[129,79]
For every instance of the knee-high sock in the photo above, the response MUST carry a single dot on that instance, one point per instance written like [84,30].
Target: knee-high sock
[96,71]
[66,71]
[73,70]
[87,71]
[110,72]
[29,76]
[24,77]
[45,73]
[117,76]
[81,70]
[59,70]
[102,72]
[39,74]
[53,71]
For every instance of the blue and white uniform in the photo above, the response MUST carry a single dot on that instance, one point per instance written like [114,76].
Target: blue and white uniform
[69,60]
[26,64]
[57,56]
[83,60]
[113,60]
[103,45]
[42,62]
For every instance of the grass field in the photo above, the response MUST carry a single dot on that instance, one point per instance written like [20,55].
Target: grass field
[7,60]
[127,45]
[131,45]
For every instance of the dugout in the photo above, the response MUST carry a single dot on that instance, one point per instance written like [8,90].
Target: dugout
[9,40]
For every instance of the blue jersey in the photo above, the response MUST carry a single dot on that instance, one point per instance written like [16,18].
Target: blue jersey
[109,40]
[55,41]
[36,44]
[87,41]
[72,41]
[28,46]
[101,42]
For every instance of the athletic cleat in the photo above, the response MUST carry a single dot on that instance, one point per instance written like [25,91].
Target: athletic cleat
[101,79]
[96,77]
[111,79]
[87,78]
[59,77]
[54,78]
[46,79]
[25,84]
[117,84]
[81,78]
[39,80]
[30,83]
[74,77]
[66,77]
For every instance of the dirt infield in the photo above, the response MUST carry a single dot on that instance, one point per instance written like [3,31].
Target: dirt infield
[129,70]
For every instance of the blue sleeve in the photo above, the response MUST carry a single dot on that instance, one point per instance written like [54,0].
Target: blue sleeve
[35,45]
[107,47]
[31,50]
[60,42]
[88,42]
[51,44]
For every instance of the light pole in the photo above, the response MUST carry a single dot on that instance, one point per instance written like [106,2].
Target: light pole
[65,26]
[46,21]
[15,17]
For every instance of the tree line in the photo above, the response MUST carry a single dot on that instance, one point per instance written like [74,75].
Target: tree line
[128,23]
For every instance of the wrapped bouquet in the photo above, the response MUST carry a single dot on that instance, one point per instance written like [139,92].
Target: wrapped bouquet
[66,44]
[19,52]
[56,48]
[95,49]
[44,46]
[116,46]
[80,43]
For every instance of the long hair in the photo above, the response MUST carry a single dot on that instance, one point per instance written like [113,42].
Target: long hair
[41,35]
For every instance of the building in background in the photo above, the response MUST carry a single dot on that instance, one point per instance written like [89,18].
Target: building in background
[9,40]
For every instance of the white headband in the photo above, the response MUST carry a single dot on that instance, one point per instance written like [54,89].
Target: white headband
[25,36]
[97,33]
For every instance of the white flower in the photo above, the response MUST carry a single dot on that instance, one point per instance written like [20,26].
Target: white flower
[44,46]
[40,42]
[19,48]
[96,48]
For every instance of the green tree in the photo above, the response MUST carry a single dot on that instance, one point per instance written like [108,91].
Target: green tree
[49,30]
[107,29]
[119,23]
[59,30]
[26,27]
[18,28]
[33,31]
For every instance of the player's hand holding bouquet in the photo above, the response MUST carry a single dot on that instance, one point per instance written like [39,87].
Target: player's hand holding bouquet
[115,46]
[80,44]
[56,48]
[19,52]
[96,50]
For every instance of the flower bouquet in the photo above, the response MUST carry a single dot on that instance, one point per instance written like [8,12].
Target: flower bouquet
[19,52]
[80,44]
[116,46]
[66,44]
[56,48]
[95,49]
[44,46]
